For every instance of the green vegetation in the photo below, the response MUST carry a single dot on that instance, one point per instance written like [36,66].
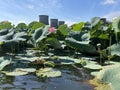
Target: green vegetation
[39,46]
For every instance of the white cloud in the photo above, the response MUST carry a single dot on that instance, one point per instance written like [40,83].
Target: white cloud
[50,4]
[111,16]
[69,22]
[109,2]
[31,6]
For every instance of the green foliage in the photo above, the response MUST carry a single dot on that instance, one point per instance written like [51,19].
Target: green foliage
[83,47]
[53,42]
[115,49]
[80,42]
[110,75]
[116,27]
[95,21]
[34,25]
[78,27]
[5,25]
[21,26]
[43,35]
[63,29]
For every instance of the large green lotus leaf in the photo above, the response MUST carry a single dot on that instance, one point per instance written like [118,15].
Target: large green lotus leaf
[110,75]
[8,36]
[48,72]
[63,60]
[85,37]
[34,25]
[63,29]
[5,25]
[116,24]
[3,32]
[95,21]
[53,42]
[37,33]
[77,35]
[78,27]
[21,35]
[116,27]
[21,26]
[81,46]
[115,49]
[44,34]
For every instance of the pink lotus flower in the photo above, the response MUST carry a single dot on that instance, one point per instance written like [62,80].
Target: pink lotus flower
[52,29]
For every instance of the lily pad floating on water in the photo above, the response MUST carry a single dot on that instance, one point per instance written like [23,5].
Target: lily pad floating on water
[92,65]
[19,71]
[26,69]
[62,60]
[14,73]
[48,72]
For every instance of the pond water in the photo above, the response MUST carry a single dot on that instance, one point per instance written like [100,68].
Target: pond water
[71,79]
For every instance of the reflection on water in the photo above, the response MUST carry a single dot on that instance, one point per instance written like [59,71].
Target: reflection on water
[70,80]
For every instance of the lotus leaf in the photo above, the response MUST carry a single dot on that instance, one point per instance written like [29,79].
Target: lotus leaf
[49,63]
[44,34]
[116,27]
[3,32]
[10,45]
[53,42]
[21,35]
[95,21]
[93,66]
[77,35]
[116,24]
[110,75]
[78,27]
[34,25]
[81,46]
[28,58]
[21,26]
[5,25]
[3,63]
[26,69]
[15,73]
[8,36]
[63,29]
[115,49]
[19,71]
[62,60]
[48,72]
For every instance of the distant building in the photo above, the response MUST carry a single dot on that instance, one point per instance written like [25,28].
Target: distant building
[44,19]
[61,23]
[54,23]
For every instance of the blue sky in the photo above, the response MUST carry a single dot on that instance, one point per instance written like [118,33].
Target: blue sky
[70,11]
